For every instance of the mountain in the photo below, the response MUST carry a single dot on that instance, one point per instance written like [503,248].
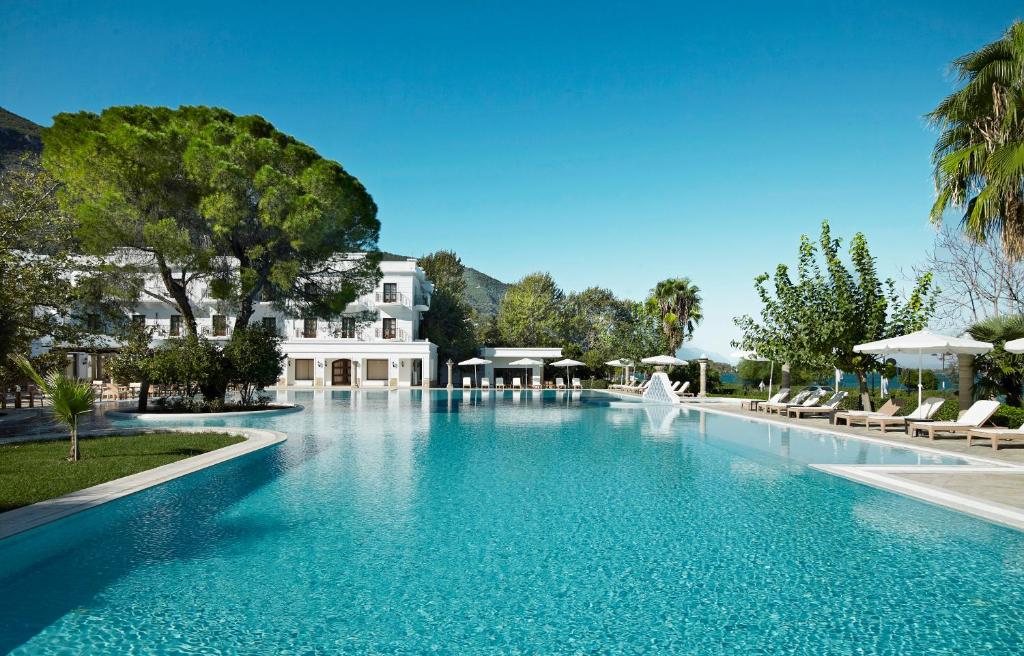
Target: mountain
[18,136]
[483,293]
[692,352]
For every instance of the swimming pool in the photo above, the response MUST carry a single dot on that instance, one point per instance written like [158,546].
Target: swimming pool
[405,522]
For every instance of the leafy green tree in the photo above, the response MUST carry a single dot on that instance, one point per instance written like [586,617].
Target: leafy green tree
[446,270]
[638,337]
[253,356]
[40,299]
[814,321]
[591,319]
[909,375]
[190,365]
[133,361]
[122,178]
[690,372]
[678,303]
[999,372]
[287,217]
[69,399]
[979,153]
[450,322]
[201,196]
[752,372]
[531,313]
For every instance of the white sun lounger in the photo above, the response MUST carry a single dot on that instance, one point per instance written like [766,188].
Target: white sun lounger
[995,435]
[517,383]
[576,384]
[499,383]
[467,382]
[559,383]
[975,416]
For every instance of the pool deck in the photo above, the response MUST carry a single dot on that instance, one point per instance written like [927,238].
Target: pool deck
[991,487]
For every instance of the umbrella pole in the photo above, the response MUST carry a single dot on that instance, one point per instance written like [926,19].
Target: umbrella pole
[771,375]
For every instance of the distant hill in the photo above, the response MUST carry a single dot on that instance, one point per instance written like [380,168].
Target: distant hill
[483,293]
[18,136]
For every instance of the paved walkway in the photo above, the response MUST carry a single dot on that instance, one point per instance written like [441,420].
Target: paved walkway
[991,487]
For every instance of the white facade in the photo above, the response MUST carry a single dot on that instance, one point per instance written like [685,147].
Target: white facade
[502,356]
[344,352]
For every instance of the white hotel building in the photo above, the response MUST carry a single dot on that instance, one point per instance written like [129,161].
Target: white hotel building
[320,353]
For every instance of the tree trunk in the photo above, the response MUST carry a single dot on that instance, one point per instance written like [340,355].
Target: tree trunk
[785,376]
[865,396]
[245,312]
[143,394]
[73,455]
[966,380]
[862,381]
[180,296]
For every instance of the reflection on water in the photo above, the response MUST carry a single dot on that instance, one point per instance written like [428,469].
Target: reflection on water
[516,522]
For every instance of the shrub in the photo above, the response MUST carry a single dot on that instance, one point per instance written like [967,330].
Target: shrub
[906,398]
[1008,416]
[190,365]
[254,359]
[691,372]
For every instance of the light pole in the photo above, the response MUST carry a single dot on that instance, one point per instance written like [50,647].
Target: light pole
[450,363]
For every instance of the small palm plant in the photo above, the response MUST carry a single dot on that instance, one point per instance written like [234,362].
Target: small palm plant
[69,398]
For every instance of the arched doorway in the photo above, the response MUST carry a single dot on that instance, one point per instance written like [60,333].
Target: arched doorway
[341,372]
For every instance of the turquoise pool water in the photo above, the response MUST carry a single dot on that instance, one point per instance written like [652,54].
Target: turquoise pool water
[410,523]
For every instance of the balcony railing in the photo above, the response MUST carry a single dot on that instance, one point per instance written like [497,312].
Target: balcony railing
[397,334]
[391,298]
[208,331]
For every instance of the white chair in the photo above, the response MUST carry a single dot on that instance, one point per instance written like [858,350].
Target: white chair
[499,383]
[467,382]
[559,383]
[516,383]
[485,384]
[576,384]
[675,386]
[535,384]
[684,390]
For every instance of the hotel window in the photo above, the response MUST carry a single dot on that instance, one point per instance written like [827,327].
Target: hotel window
[220,325]
[92,321]
[175,325]
[270,324]
[389,329]
[376,370]
[139,320]
[390,292]
[309,327]
[347,329]
[303,370]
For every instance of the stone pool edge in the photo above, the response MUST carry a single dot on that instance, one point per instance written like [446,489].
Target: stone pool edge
[38,514]
[885,477]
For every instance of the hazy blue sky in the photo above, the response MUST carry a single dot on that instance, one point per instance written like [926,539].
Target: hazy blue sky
[610,144]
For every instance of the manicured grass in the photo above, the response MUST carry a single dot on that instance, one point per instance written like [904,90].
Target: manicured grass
[35,471]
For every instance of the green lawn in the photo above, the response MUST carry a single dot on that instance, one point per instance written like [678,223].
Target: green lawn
[34,471]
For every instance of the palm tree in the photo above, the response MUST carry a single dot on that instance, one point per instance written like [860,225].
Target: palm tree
[69,398]
[979,155]
[999,372]
[677,301]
